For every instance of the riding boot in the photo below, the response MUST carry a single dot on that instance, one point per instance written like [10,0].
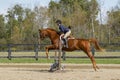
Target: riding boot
[64,41]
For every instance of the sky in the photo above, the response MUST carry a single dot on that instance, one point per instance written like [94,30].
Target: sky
[5,4]
[106,5]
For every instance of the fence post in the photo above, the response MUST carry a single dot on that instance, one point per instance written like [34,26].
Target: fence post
[36,51]
[9,51]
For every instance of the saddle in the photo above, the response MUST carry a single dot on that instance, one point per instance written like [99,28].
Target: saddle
[65,41]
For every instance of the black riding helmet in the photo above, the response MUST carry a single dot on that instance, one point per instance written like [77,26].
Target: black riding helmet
[59,21]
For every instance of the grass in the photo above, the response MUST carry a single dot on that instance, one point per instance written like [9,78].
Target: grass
[69,60]
[75,53]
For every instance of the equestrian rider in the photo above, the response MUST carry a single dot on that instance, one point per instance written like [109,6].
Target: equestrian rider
[64,30]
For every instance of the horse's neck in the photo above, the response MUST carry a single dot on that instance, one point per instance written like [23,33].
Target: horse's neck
[53,37]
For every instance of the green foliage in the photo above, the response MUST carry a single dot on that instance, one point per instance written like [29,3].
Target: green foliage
[114,24]
[20,24]
[2,27]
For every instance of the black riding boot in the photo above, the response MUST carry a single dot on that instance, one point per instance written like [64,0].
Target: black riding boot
[64,41]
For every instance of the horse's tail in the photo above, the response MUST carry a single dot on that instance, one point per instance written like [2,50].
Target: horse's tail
[96,44]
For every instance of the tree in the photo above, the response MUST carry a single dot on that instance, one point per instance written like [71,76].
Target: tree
[28,26]
[2,27]
[41,17]
[2,30]
[14,19]
[114,24]
[20,22]
[77,13]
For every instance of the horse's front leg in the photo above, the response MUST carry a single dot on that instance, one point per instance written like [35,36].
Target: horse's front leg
[55,54]
[49,48]
[47,51]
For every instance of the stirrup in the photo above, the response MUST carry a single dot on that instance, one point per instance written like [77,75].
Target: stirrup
[64,41]
[66,45]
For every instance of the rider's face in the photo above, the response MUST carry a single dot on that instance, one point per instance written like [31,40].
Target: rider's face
[58,24]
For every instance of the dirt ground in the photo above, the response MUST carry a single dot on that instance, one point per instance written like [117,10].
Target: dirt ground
[35,73]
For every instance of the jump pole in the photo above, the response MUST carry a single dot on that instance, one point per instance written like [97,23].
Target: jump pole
[59,56]
[57,64]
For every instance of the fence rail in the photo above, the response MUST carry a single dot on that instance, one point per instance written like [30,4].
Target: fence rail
[37,47]
[10,50]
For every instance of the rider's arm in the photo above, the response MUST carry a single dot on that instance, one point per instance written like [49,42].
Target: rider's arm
[61,27]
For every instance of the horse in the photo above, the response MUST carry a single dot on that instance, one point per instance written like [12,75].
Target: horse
[73,44]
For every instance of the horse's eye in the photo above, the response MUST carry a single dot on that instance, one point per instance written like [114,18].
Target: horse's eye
[41,35]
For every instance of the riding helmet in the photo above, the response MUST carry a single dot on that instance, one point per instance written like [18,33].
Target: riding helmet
[58,21]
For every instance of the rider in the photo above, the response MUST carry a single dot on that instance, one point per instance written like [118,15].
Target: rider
[64,30]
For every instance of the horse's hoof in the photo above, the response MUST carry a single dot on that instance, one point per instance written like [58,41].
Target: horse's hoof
[95,70]
[97,67]
[48,58]
[50,70]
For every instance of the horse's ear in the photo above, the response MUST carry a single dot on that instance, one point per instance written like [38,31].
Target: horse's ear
[39,30]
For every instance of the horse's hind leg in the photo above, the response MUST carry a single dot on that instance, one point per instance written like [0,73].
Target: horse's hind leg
[92,59]
[97,67]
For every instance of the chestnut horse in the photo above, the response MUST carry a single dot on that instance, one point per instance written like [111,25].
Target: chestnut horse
[73,44]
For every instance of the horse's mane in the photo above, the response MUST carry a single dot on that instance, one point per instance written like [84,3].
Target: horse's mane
[51,29]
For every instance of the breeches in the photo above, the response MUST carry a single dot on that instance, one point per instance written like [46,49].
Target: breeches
[67,34]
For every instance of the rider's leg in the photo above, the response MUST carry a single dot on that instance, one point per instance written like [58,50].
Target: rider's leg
[64,41]
[66,35]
